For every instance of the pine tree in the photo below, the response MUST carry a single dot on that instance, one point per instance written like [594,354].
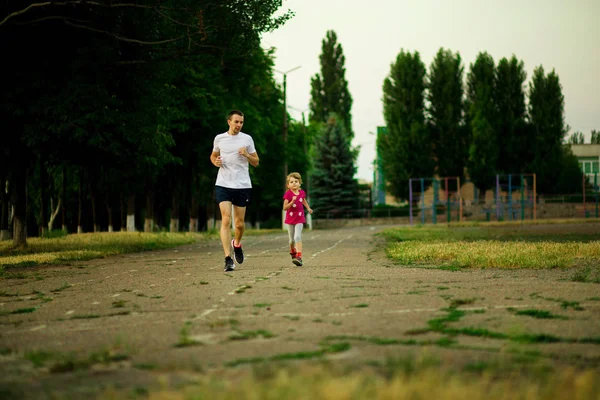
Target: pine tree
[329,89]
[333,185]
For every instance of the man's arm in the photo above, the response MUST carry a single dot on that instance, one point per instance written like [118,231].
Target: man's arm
[215,158]
[252,157]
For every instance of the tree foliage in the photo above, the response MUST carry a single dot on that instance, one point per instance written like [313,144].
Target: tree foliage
[482,121]
[333,186]
[124,101]
[449,138]
[546,115]
[406,148]
[329,88]
[515,144]
[576,138]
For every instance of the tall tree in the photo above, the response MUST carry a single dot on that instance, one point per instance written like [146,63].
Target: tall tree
[482,121]
[569,180]
[332,182]
[514,141]
[576,138]
[329,89]
[405,150]
[448,135]
[96,99]
[595,139]
[546,114]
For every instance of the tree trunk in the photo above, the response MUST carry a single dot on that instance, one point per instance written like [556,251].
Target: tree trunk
[95,224]
[174,214]
[194,215]
[63,209]
[20,208]
[53,213]
[149,221]
[80,203]
[131,213]
[110,216]
[43,197]
[123,217]
[4,232]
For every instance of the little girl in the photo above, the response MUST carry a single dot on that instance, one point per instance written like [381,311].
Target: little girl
[293,205]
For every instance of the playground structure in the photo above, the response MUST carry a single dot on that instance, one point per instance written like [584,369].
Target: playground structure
[444,197]
[514,198]
[591,192]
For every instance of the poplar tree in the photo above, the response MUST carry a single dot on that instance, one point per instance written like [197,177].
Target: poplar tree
[546,115]
[482,122]
[329,88]
[405,149]
[514,138]
[448,135]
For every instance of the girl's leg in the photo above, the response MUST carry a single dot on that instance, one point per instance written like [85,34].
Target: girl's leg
[291,229]
[298,238]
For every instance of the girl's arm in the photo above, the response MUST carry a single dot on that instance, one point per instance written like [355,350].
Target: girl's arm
[306,205]
[288,203]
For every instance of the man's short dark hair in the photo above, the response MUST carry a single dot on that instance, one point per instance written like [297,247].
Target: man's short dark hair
[234,112]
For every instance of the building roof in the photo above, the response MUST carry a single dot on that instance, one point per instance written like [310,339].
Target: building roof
[586,150]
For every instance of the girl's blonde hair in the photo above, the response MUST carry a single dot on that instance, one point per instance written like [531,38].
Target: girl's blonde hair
[293,175]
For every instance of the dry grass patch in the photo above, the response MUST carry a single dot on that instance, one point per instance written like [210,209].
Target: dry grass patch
[87,246]
[430,382]
[496,246]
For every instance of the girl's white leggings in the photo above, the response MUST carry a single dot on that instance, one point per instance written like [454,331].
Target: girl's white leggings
[295,233]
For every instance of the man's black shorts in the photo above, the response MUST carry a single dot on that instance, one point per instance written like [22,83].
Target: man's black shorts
[237,197]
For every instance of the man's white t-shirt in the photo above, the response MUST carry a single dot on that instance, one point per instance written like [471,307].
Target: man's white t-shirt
[234,173]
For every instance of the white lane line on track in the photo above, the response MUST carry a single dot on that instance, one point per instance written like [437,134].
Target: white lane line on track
[204,313]
[330,247]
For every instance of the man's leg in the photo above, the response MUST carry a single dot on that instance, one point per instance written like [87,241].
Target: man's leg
[238,220]
[225,207]
[239,215]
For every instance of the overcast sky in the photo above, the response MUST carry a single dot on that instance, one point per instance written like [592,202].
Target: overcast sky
[557,34]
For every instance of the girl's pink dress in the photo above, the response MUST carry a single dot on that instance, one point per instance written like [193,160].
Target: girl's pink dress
[295,214]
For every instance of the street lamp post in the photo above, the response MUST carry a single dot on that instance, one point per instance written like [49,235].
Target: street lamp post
[285,133]
[285,120]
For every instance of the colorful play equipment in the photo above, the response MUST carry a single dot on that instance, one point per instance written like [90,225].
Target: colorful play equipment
[435,196]
[515,198]
[591,193]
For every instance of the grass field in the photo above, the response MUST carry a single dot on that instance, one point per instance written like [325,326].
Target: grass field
[86,246]
[400,380]
[509,245]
